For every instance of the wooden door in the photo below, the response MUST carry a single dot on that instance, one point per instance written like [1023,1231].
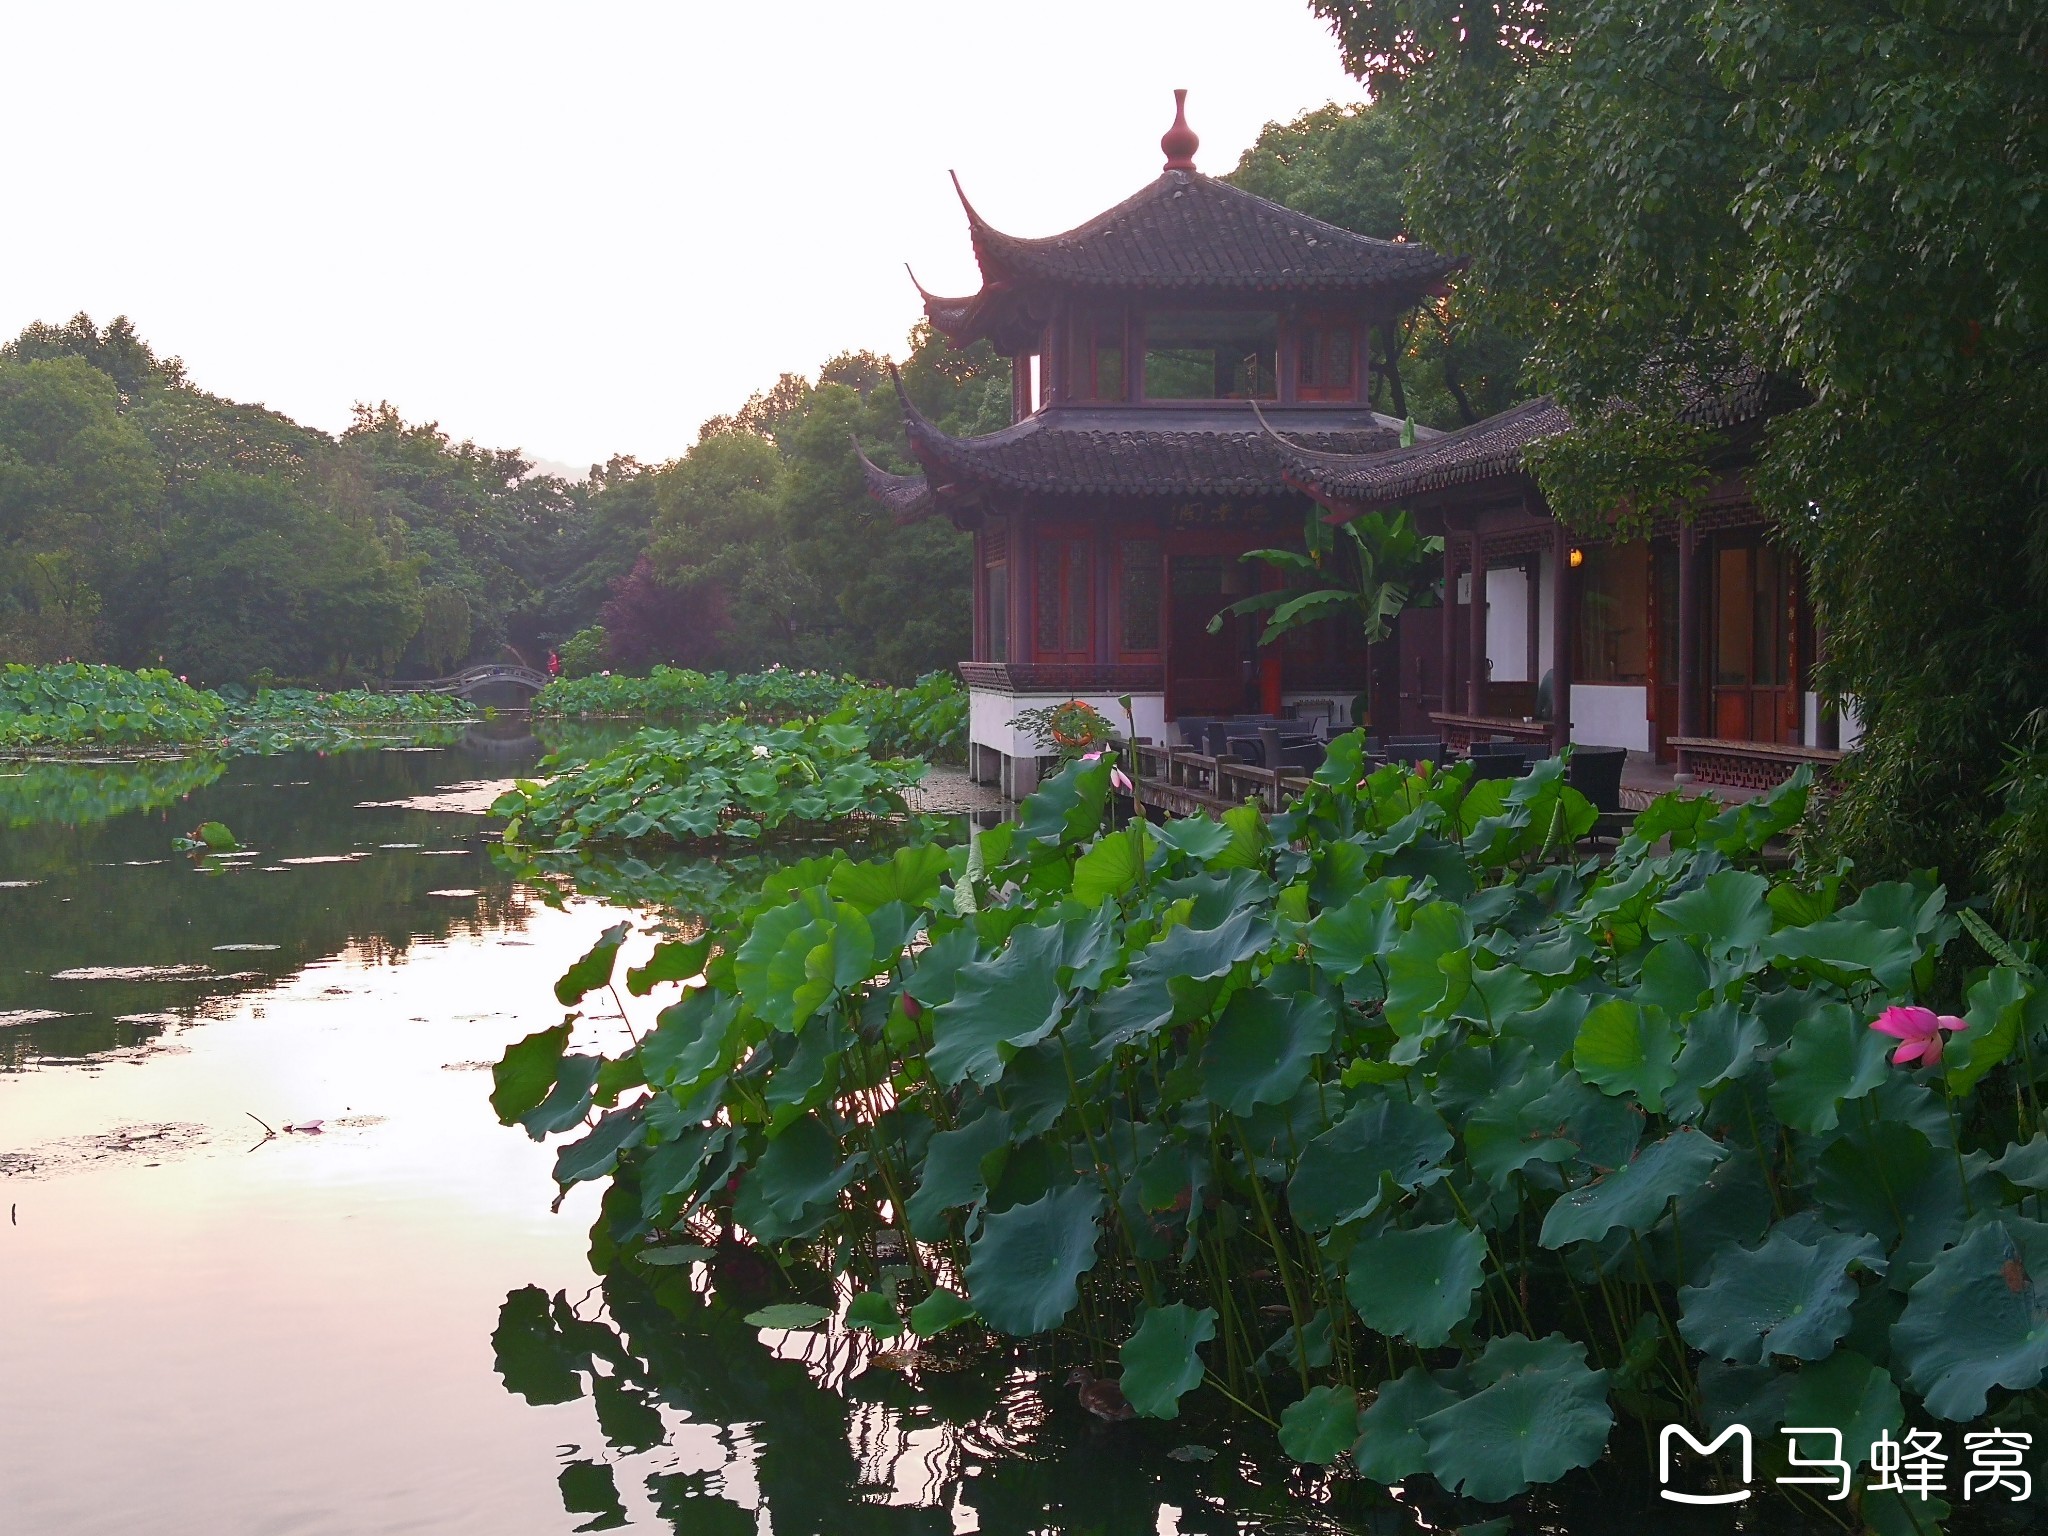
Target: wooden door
[1207,674]
[1752,651]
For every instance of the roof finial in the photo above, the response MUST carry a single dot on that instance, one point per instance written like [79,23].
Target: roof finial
[1180,142]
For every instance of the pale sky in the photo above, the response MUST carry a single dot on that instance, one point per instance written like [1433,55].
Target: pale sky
[580,229]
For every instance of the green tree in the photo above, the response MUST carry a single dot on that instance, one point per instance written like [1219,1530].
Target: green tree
[1656,193]
[75,478]
[1349,166]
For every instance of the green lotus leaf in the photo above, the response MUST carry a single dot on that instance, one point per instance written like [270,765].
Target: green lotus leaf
[1674,977]
[1834,1058]
[1417,983]
[1978,1319]
[1632,1196]
[1538,1414]
[1996,1016]
[874,1312]
[522,1079]
[1161,1365]
[1024,1270]
[1347,939]
[955,1172]
[1846,1392]
[1893,1182]
[1338,1176]
[910,875]
[1113,865]
[1788,1296]
[1390,1447]
[939,1311]
[1320,1427]
[1623,1047]
[2026,1163]
[797,1172]
[594,969]
[1247,827]
[569,1101]
[1196,836]
[1725,914]
[1721,1046]
[788,1314]
[1417,1284]
[1846,951]
[1507,1131]
[1067,808]
[1261,1050]
[674,960]
[597,1154]
[1011,999]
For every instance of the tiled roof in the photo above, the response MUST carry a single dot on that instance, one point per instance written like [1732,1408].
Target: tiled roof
[907,498]
[1134,452]
[1494,448]
[1482,451]
[1187,230]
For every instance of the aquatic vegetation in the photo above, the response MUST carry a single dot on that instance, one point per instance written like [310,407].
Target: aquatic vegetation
[1394,1120]
[682,695]
[288,707]
[79,704]
[927,719]
[729,781]
[73,704]
[78,794]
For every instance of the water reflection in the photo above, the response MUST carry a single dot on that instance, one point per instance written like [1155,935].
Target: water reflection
[707,1429]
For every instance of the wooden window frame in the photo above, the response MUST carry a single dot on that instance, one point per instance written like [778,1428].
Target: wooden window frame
[1119,544]
[1078,544]
[1309,330]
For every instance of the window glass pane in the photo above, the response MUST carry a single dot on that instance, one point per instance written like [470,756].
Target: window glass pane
[1337,359]
[1079,588]
[1109,370]
[1613,604]
[1773,603]
[1138,594]
[1201,355]
[1048,595]
[999,611]
[1734,634]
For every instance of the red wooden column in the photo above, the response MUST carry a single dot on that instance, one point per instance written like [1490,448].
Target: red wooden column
[1475,620]
[1023,561]
[1561,639]
[1689,617]
[1447,697]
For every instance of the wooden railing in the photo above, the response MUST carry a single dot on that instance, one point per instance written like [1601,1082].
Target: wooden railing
[1182,781]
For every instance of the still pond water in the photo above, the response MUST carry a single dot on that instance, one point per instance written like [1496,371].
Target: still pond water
[381,1326]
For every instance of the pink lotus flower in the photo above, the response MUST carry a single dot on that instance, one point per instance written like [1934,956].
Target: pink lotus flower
[1920,1030]
[1120,780]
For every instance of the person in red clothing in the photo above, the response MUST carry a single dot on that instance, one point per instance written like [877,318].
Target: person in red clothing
[554,664]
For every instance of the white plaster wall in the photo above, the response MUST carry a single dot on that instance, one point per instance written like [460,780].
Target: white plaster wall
[1611,715]
[1507,624]
[1852,728]
[989,715]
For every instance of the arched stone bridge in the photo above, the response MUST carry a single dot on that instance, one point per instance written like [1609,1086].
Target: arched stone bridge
[470,679]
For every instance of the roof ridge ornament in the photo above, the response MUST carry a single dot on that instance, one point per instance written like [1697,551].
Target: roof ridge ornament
[1180,142]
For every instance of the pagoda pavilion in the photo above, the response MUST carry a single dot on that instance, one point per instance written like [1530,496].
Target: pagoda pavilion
[1191,381]
[1109,517]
